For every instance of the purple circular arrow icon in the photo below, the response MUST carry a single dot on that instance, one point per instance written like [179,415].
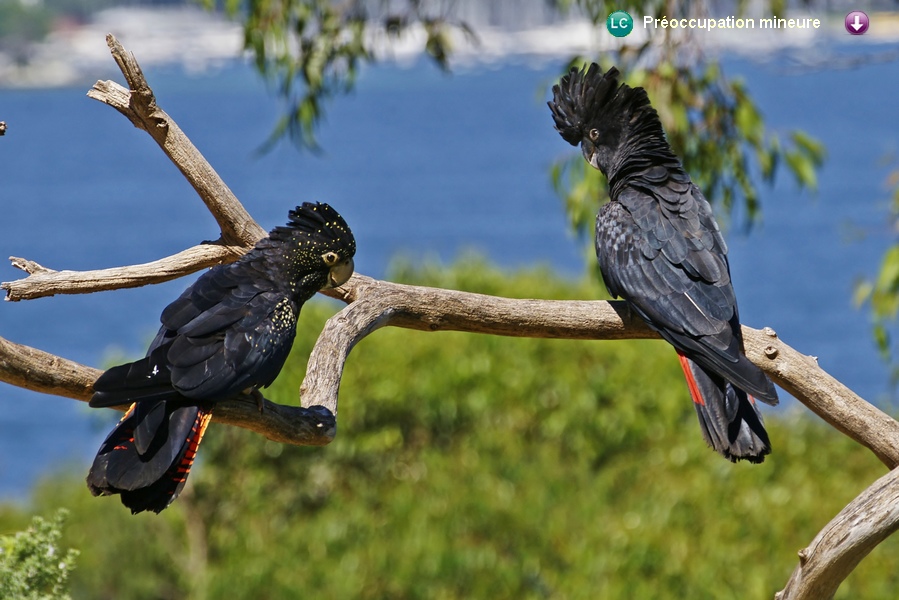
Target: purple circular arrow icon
[856,22]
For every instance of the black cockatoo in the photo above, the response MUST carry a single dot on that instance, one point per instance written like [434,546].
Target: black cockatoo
[660,249]
[229,333]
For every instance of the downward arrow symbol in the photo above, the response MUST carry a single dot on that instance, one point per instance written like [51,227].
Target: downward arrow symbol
[857,24]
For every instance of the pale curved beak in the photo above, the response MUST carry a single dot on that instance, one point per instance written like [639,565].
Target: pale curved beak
[340,273]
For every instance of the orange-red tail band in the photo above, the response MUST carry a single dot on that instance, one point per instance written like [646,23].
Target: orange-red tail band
[691,381]
[196,436]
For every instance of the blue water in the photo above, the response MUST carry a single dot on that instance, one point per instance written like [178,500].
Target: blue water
[421,164]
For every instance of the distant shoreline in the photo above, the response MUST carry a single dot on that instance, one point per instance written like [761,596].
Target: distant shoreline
[199,41]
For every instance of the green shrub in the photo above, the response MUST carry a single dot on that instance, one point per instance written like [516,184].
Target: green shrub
[32,564]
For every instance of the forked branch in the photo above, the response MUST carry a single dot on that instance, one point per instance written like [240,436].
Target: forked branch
[138,104]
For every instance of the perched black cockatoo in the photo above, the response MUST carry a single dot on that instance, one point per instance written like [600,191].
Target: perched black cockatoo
[660,249]
[229,333]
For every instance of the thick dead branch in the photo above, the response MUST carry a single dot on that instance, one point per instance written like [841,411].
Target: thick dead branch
[139,104]
[42,282]
[375,303]
[378,303]
[842,408]
[41,371]
[845,541]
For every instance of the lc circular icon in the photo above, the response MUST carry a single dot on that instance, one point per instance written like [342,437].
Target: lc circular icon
[856,22]
[619,23]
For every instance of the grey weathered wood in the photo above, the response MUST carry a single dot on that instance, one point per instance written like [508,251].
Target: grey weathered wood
[42,282]
[138,103]
[835,552]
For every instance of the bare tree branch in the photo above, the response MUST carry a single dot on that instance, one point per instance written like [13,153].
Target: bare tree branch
[842,408]
[41,371]
[375,303]
[139,105]
[845,541]
[42,282]
[34,369]
[239,230]
[378,303]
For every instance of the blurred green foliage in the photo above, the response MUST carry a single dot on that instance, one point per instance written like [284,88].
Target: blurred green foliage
[32,564]
[21,23]
[471,466]
[881,294]
[311,49]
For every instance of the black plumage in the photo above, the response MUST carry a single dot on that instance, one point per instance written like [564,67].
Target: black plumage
[660,249]
[229,333]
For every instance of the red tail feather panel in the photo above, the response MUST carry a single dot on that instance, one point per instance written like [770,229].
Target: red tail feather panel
[728,417]
[691,381]
[152,479]
[182,469]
